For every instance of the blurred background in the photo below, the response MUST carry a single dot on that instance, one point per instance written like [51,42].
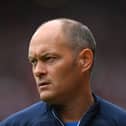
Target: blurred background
[20,18]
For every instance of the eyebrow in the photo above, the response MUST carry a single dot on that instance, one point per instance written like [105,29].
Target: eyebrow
[42,55]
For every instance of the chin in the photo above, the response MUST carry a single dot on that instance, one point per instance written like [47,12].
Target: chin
[47,98]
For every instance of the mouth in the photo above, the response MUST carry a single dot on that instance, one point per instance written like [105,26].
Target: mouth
[43,84]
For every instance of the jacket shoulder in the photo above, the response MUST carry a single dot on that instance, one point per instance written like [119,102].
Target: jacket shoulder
[112,112]
[26,116]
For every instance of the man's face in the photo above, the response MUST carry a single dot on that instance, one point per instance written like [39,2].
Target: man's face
[56,72]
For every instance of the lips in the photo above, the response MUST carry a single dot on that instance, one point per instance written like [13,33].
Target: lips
[43,84]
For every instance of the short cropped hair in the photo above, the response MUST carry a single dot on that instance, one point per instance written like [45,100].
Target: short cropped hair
[80,35]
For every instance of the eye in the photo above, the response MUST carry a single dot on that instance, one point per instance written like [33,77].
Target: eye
[50,59]
[33,61]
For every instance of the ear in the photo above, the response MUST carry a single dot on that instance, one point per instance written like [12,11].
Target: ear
[86,59]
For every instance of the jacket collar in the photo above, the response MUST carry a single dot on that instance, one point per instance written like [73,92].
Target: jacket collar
[86,118]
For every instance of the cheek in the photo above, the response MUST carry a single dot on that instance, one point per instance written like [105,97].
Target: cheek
[60,71]
[63,74]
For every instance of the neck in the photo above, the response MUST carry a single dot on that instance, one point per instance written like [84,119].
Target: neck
[73,111]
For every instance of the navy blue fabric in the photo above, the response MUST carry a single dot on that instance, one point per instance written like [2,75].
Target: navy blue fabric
[102,113]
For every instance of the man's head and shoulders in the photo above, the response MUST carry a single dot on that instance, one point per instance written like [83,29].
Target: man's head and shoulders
[62,54]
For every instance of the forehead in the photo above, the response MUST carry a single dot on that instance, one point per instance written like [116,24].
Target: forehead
[49,36]
[49,28]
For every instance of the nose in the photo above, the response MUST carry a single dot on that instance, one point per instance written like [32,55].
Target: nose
[39,70]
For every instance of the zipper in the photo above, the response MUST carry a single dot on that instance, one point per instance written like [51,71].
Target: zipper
[57,118]
[62,124]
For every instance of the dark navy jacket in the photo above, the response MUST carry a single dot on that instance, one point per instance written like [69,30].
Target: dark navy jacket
[102,113]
